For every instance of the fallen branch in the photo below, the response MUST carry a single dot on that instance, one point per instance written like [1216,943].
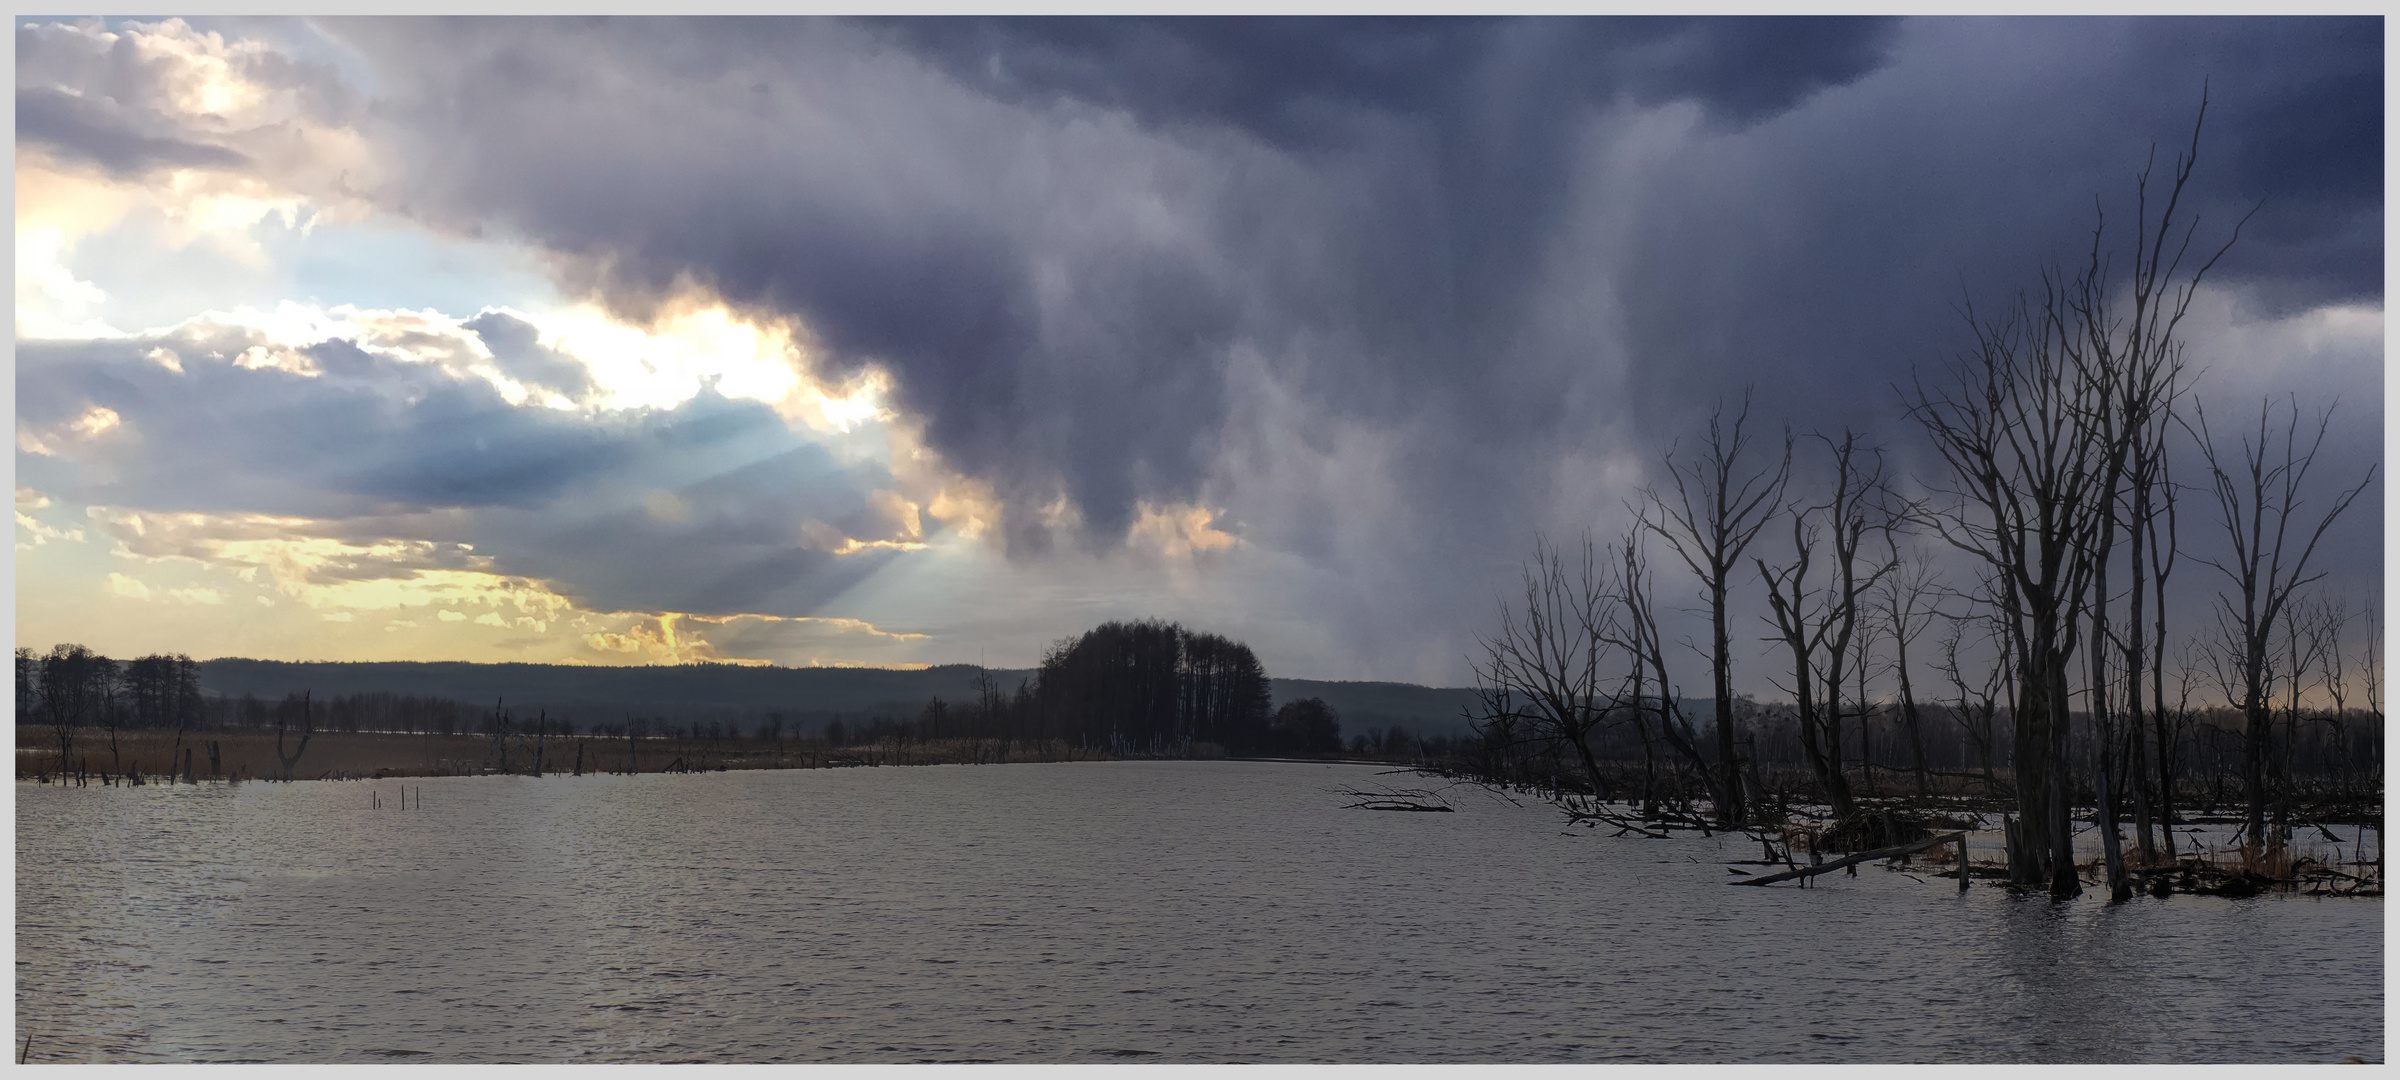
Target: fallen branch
[1398,799]
[1624,825]
[1853,860]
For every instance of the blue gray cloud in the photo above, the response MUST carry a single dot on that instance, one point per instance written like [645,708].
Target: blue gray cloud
[1390,294]
[705,507]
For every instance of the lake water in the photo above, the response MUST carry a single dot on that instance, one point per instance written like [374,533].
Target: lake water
[1143,911]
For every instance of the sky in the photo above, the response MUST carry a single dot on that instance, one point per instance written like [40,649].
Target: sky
[894,342]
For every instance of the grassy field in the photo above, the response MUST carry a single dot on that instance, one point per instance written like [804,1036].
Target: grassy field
[153,756]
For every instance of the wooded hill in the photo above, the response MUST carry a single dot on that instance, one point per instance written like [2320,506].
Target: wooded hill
[744,693]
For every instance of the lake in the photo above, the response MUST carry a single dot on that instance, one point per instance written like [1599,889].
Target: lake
[1116,911]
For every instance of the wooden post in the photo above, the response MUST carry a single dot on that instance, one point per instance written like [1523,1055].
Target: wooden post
[1962,862]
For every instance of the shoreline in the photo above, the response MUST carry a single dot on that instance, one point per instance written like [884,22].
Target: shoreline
[157,757]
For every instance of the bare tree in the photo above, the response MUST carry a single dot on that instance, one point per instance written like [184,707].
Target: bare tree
[1977,705]
[2154,494]
[2041,425]
[1908,609]
[68,695]
[29,683]
[1818,623]
[308,730]
[1642,642]
[2133,366]
[107,696]
[2259,491]
[1720,505]
[2330,621]
[1549,663]
[2304,632]
[2021,496]
[2370,666]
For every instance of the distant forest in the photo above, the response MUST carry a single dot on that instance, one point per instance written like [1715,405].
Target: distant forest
[1144,687]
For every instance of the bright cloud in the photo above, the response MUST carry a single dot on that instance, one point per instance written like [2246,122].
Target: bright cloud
[127,588]
[340,580]
[198,138]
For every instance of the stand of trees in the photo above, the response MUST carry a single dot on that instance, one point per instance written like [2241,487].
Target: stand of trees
[1153,687]
[2054,436]
[1138,688]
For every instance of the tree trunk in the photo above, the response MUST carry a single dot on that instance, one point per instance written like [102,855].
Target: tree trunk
[2257,733]
[1914,722]
[1735,812]
[2064,885]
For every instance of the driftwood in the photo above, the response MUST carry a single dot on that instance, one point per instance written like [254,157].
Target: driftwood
[1624,825]
[1853,860]
[1419,800]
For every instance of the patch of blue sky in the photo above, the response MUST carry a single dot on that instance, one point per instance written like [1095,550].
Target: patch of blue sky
[375,263]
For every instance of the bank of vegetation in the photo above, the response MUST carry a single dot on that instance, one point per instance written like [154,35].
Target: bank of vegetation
[1124,689]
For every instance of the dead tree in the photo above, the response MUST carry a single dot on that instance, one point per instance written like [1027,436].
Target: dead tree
[2021,497]
[499,745]
[1641,642]
[2370,664]
[1720,505]
[2148,505]
[2332,619]
[2040,426]
[2259,492]
[1976,708]
[107,682]
[1818,623]
[2154,495]
[1549,662]
[67,693]
[2304,633]
[308,730]
[2132,367]
[1907,610]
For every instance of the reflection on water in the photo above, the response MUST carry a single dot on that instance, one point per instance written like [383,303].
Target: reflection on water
[1152,911]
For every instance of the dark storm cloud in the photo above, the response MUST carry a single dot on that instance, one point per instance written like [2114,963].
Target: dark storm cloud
[683,509]
[912,222]
[1392,294]
[1824,256]
[1301,81]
